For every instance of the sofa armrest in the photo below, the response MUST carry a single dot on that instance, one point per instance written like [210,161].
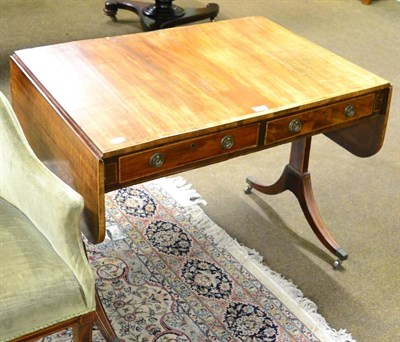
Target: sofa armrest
[52,206]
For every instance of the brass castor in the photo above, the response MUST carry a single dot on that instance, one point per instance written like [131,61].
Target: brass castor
[337,264]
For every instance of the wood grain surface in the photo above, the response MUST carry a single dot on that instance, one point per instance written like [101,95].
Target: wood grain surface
[60,149]
[132,92]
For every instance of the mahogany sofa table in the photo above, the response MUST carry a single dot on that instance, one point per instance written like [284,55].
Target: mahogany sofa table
[108,113]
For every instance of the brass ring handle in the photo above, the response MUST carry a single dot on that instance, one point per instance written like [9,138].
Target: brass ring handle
[157,160]
[295,125]
[349,111]
[227,142]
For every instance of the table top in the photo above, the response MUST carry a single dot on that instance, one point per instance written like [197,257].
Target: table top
[128,93]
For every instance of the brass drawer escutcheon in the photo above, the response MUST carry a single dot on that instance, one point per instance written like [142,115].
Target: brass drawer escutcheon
[349,111]
[227,142]
[295,125]
[157,160]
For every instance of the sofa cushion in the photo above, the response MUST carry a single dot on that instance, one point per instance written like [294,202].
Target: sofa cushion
[37,289]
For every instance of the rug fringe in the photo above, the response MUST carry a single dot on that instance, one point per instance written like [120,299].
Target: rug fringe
[253,262]
[180,190]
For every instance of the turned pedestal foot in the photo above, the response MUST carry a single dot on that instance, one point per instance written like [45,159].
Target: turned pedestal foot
[297,179]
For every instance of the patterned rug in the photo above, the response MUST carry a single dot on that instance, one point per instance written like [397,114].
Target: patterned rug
[166,272]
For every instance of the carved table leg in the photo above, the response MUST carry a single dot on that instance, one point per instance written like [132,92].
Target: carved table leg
[161,14]
[297,179]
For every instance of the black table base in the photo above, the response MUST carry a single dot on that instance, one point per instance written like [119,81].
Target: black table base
[161,14]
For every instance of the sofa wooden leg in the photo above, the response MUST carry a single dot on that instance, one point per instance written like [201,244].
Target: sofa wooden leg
[103,323]
[82,332]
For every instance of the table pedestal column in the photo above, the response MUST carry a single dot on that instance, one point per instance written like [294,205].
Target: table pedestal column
[297,179]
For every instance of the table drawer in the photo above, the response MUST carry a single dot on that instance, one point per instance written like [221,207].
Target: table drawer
[142,164]
[318,119]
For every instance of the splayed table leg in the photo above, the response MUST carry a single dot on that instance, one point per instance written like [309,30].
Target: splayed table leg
[297,179]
